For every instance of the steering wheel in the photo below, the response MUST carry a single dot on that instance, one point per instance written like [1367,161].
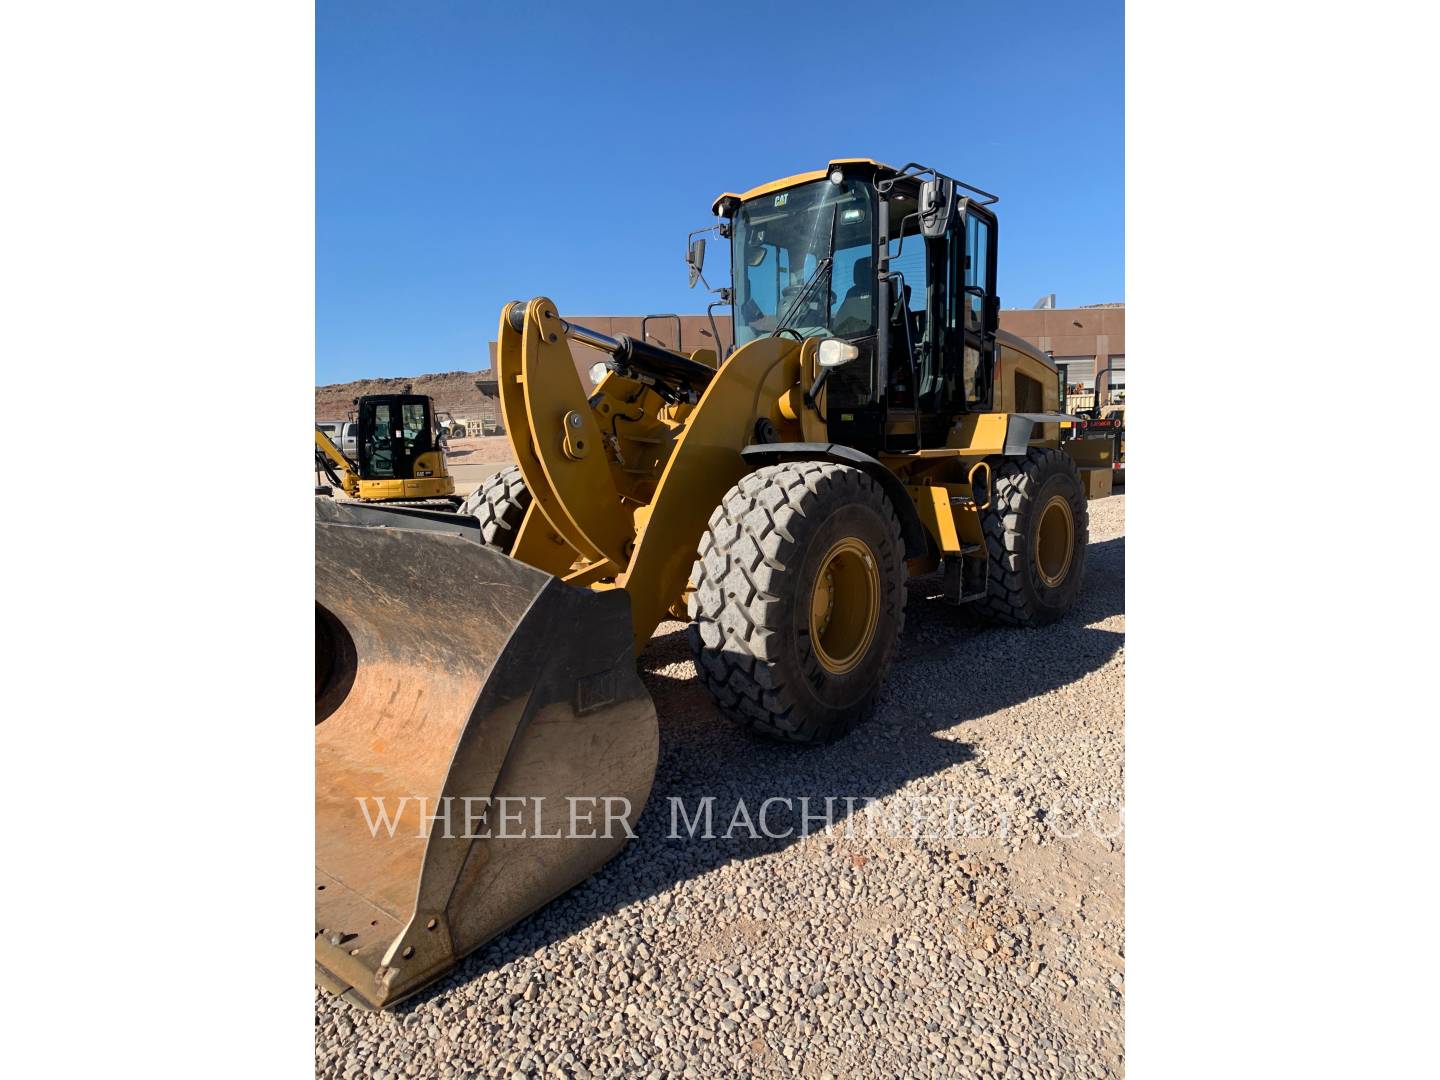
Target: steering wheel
[789,292]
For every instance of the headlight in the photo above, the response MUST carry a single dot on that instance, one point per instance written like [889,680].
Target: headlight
[833,352]
[597,372]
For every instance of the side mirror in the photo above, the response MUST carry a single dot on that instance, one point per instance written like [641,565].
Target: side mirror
[992,312]
[937,206]
[833,352]
[695,259]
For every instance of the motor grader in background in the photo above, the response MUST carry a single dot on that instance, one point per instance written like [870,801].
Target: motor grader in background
[872,423]
[398,458]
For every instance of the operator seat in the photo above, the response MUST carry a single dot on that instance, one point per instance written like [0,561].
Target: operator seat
[859,300]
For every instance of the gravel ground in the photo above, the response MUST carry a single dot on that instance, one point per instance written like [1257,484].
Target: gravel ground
[995,950]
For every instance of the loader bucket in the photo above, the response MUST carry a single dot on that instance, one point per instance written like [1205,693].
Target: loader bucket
[482,743]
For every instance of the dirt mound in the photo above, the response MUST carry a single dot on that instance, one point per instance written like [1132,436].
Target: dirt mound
[453,392]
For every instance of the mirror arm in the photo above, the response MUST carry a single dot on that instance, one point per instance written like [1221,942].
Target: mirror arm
[900,248]
[690,247]
[725,298]
[725,294]
[811,397]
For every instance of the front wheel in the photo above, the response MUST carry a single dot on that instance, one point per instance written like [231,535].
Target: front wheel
[499,504]
[798,599]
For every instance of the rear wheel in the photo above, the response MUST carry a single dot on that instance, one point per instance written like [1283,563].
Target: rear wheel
[798,599]
[1036,536]
[499,504]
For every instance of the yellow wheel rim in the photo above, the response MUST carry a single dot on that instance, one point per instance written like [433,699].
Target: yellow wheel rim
[1055,541]
[844,605]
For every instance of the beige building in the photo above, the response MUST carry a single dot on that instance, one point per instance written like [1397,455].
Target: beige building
[1085,339]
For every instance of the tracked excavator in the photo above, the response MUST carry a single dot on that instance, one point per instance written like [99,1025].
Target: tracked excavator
[399,458]
[476,684]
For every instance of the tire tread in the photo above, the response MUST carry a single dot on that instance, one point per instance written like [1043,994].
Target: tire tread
[741,571]
[1017,481]
[499,504]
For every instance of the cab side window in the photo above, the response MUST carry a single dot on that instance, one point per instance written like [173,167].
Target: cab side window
[416,429]
[911,266]
[977,275]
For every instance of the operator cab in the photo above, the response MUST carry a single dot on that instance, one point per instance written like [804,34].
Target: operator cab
[899,263]
[394,430]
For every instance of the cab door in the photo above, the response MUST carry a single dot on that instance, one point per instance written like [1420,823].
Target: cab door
[376,439]
[973,313]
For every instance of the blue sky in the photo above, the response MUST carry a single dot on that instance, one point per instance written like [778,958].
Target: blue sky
[470,152]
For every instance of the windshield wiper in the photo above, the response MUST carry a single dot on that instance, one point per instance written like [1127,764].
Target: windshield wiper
[797,305]
[822,269]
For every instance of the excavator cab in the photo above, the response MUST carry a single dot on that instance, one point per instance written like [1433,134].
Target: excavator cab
[396,431]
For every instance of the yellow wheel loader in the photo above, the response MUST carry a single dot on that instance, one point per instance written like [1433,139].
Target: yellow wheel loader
[476,672]
[400,460]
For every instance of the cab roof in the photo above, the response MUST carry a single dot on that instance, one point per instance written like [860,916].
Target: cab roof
[871,165]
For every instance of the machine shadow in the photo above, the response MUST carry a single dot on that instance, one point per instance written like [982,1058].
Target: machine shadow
[947,672]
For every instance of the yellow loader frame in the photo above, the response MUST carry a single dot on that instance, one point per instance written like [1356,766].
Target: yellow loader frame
[453,667]
[625,506]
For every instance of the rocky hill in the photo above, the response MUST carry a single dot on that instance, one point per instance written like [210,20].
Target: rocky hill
[453,391]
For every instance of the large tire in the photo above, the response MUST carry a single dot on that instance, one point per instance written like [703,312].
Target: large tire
[1037,532]
[781,644]
[499,503]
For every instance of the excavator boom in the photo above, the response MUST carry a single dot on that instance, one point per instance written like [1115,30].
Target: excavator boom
[333,461]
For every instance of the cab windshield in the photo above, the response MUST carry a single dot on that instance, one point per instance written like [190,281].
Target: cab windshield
[397,432]
[782,240]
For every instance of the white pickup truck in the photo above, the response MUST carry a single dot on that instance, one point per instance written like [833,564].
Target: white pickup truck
[342,434]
